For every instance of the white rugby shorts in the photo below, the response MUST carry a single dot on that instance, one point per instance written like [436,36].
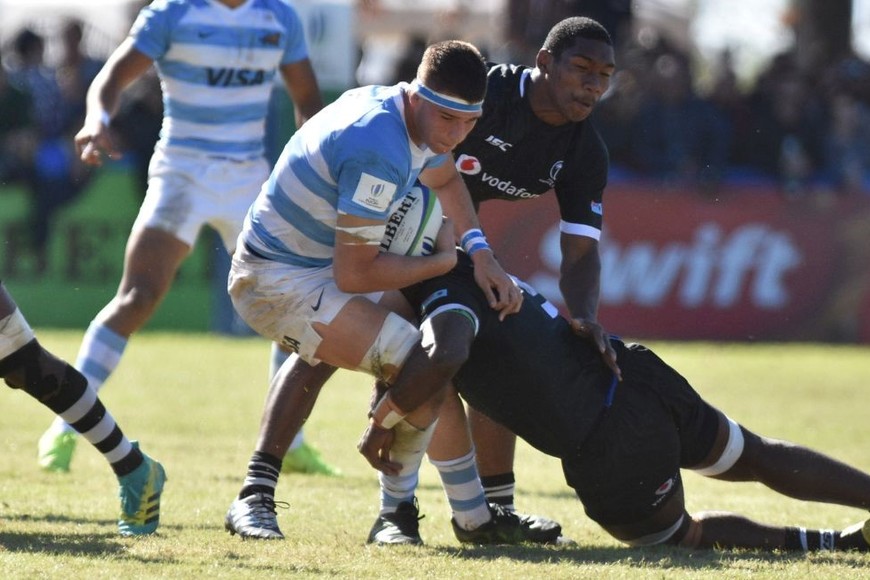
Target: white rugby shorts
[187,190]
[282,302]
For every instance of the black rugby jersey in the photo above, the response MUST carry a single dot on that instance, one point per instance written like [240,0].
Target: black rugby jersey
[512,155]
[530,372]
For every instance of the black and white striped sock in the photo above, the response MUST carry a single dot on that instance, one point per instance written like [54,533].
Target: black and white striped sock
[64,390]
[262,476]
[499,489]
[804,540]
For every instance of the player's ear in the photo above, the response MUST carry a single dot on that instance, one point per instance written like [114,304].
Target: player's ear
[544,60]
[414,98]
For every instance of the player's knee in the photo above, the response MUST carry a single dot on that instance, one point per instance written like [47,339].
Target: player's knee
[139,300]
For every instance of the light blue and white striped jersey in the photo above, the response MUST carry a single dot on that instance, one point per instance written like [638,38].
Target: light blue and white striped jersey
[353,157]
[217,66]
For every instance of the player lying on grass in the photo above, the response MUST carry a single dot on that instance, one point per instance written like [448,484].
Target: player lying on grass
[622,443]
[26,365]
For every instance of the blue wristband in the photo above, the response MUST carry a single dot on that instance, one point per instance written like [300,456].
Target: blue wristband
[470,235]
[477,245]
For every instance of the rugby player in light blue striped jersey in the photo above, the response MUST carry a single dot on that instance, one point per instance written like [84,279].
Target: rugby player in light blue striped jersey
[217,61]
[308,272]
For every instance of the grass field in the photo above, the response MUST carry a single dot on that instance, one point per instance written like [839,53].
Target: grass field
[195,401]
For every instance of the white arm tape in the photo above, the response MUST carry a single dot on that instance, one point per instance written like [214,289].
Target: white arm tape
[370,235]
[386,414]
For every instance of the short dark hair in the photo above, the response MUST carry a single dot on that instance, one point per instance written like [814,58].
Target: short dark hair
[565,33]
[454,67]
[27,42]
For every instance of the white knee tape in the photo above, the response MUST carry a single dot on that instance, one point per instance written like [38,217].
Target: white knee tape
[656,537]
[732,452]
[391,347]
[14,333]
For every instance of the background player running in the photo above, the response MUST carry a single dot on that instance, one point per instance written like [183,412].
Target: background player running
[217,63]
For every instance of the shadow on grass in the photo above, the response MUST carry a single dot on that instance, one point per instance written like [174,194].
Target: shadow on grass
[662,557]
[75,543]
[68,544]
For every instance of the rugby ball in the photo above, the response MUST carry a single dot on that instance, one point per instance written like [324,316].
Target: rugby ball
[414,223]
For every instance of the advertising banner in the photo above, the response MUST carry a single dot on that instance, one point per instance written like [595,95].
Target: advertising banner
[747,265]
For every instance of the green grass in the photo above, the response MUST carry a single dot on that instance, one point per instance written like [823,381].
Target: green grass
[195,402]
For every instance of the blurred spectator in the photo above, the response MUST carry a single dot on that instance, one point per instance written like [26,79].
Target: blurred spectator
[137,125]
[730,102]
[29,73]
[680,137]
[406,68]
[75,72]
[615,117]
[847,146]
[53,177]
[788,127]
[18,135]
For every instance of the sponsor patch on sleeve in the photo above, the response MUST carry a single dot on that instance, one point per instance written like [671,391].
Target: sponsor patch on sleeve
[596,208]
[374,193]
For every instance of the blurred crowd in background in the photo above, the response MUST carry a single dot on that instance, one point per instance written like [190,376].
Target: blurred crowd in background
[674,120]
[664,121]
[807,132]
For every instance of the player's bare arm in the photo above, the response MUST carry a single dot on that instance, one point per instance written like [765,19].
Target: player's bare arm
[124,66]
[361,267]
[580,283]
[301,84]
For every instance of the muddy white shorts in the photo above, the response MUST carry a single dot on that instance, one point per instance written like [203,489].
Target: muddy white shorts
[187,190]
[282,302]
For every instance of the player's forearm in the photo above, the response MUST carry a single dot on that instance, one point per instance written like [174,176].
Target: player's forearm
[391,272]
[580,283]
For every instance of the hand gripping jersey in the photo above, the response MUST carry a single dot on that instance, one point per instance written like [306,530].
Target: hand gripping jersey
[512,155]
[217,67]
[353,157]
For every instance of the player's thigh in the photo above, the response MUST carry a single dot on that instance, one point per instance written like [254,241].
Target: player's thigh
[283,302]
[151,260]
[303,310]
[368,336]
